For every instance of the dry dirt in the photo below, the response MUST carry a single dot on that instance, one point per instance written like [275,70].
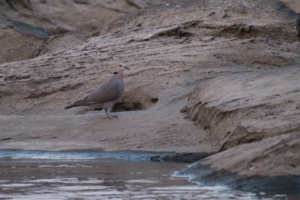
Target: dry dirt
[248,107]
[205,76]
[20,41]
[61,16]
[293,4]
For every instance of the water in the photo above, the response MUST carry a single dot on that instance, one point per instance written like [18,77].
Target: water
[52,175]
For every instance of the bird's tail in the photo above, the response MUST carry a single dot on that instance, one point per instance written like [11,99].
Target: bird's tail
[78,103]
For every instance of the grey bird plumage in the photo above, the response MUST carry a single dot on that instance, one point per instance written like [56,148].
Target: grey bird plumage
[108,94]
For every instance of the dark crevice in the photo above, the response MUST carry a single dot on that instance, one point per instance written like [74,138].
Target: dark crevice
[123,106]
[133,105]
[154,100]
[9,3]
[5,139]
[298,26]
[133,4]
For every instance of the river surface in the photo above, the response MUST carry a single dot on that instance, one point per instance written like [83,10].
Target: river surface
[73,175]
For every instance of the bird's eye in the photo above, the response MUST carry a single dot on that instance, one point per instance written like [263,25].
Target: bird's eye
[120,65]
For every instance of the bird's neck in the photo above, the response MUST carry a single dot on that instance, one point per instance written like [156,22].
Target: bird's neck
[117,75]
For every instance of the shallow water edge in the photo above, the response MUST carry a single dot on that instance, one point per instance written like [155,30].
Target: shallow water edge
[205,174]
[133,156]
[54,167]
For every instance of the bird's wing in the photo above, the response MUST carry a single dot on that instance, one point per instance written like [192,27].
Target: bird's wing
[110,91]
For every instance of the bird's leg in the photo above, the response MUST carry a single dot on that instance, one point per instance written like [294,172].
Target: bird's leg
[109,115]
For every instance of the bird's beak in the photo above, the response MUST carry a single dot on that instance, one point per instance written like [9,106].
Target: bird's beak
[126,67]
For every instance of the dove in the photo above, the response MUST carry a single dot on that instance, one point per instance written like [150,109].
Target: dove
[108,94]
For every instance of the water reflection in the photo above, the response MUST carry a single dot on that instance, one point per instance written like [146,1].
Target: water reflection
[106,179]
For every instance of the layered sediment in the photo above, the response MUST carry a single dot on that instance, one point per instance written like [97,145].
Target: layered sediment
[206,76]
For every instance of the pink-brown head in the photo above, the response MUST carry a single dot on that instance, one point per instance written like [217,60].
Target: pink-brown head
[120,67]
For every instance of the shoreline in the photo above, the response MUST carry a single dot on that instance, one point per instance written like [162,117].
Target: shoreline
[196,172]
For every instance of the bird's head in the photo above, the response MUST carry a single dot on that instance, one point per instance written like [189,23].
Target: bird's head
[120,67]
